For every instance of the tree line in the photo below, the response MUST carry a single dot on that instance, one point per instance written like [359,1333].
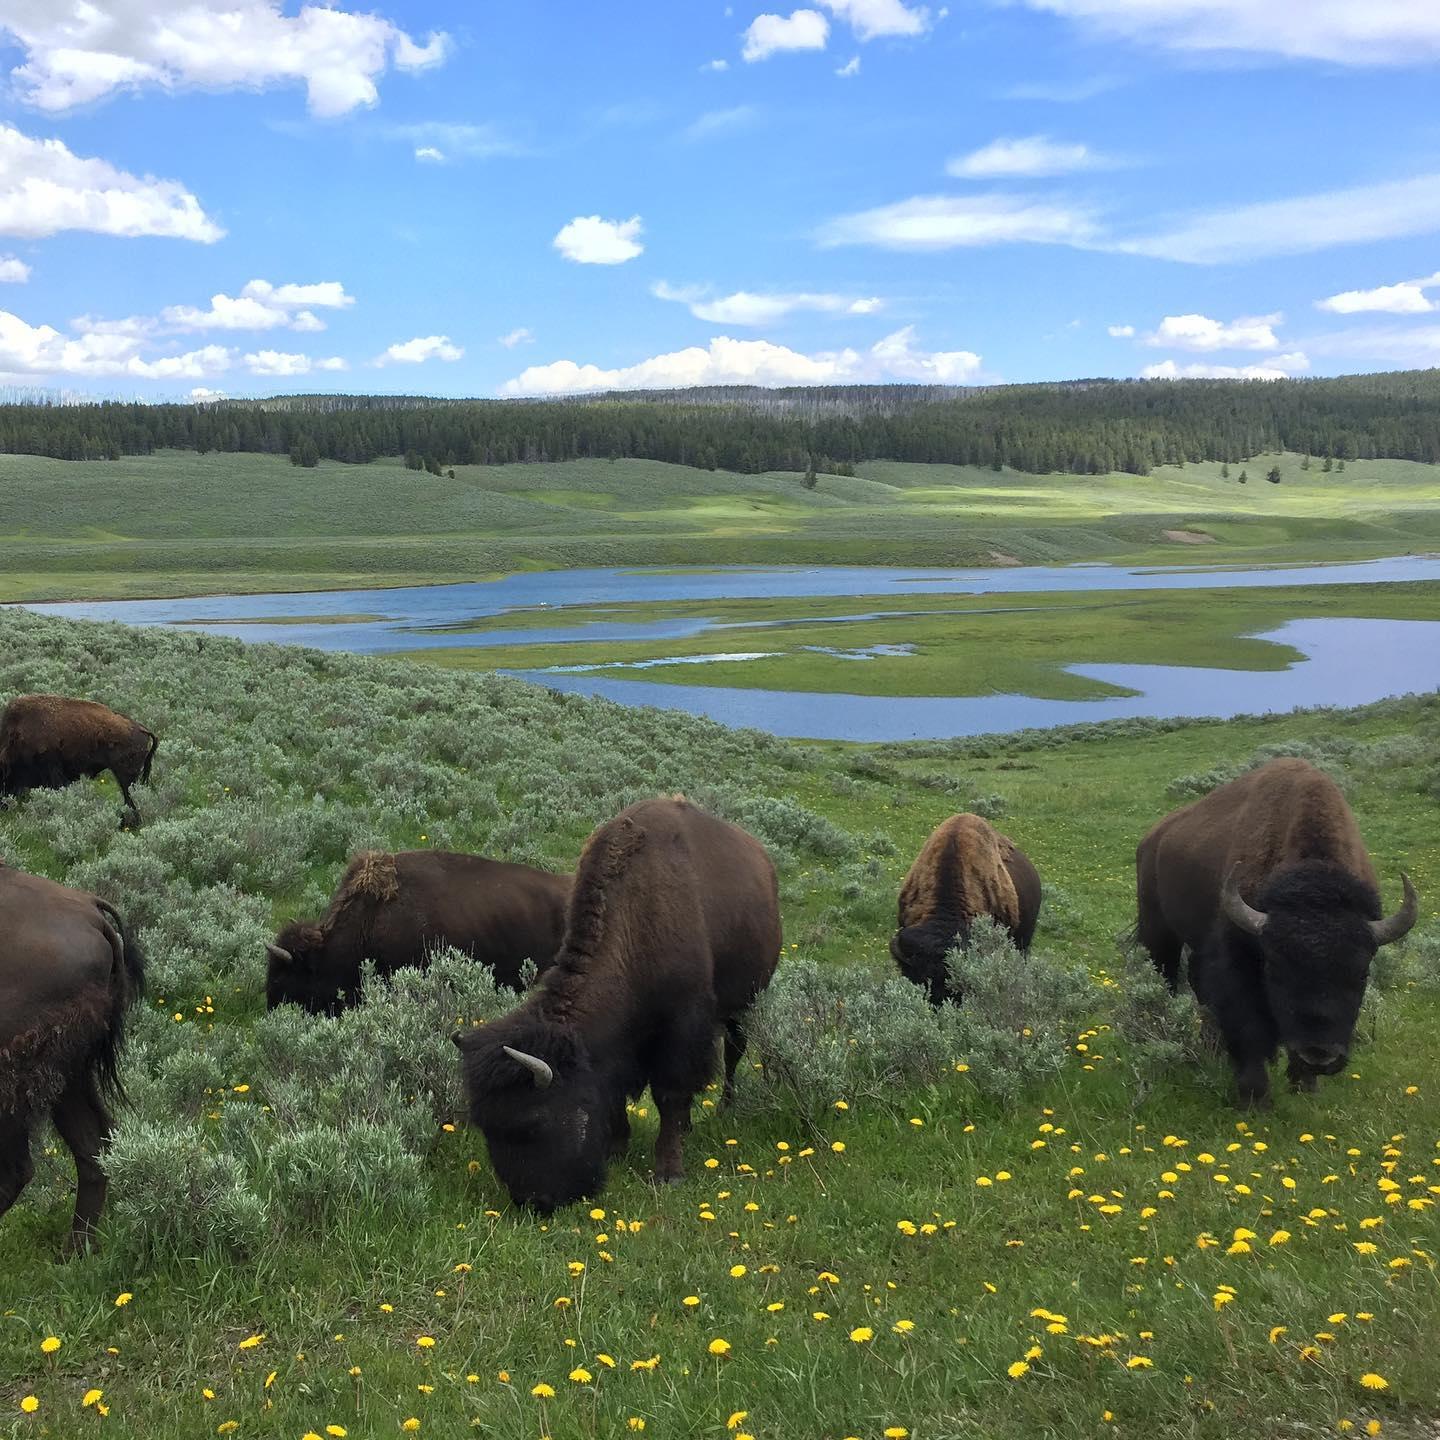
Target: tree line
[1080,427]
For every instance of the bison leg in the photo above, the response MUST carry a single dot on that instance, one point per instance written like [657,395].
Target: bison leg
[735,1043]
[16,1166]
[1252,1084]
[680,1069]
[84,1125]
[619,1129]
[1302,1078]
[130,820]
[669,1144]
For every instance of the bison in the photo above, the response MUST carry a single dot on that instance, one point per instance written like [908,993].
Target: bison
[396,909]
[50,741]
[1268,883]
[964,870]
[68,974]
[673,930]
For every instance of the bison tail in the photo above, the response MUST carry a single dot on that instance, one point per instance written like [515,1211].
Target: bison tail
[126,987]
[150,755]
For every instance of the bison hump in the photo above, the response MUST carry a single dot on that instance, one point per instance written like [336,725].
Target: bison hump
[373,874]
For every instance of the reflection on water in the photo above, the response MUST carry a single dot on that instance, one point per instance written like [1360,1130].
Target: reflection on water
[1347,662]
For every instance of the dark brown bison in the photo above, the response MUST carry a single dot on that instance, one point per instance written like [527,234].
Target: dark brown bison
[397,909]
[1268,883]
[68,974]
[964,870]
[50,741]
[673,929]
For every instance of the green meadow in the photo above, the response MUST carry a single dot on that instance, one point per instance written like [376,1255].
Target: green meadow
[186,524]
[1014,1220]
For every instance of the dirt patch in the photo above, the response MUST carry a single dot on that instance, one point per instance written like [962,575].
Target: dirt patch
[1189,537]
[999,557]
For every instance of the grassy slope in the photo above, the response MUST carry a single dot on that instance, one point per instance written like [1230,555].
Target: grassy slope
[175,524]
[994,643]
[402,754]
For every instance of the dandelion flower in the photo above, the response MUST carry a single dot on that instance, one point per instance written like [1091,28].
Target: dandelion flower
[29,1404]
[50,1344]
[737,1420]
[338,1431]
[412,1424]
[903,1327]
[1372,1427]
[896,1432]
[862,1334]
[1017,1369]
[227,1427]
[123,1299]
[581,1376]
[838,1146]
[736,1271]
[1280,1237]
[635,1422]
[542,1391]
[1139,1362]
[719,1347]
[691,1300]
[90,1398]
[1372,1381]
[426,1342]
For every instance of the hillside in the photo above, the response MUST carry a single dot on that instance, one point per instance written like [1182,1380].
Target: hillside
[931,1223]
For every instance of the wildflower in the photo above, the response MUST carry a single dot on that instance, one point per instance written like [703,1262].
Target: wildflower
[775,1307]
[896,1432]
[1372,1427]
[719,1347]
[248,1343]
[691,1300]
[50,1344]
[412,1424]
[736,1271]
[426,1342]
[91,1397]
[338,1431]
[576,1267]
[581,1376]
[838,1146]
[1372,1381]
[1018,1368]
[29,1404]
[123,1299]
[608,1361]
[542,1391]
[737,1420]
[862,1334]
[227,1427]
[903,1327]
[1280,1237]
[1139,1362]
[635,1423]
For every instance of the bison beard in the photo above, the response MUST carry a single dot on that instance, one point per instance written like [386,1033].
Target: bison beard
[1288,967]
[673,929]
[68,975]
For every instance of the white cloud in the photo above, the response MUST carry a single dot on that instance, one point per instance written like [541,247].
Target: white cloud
[261,306]
[429,155]
[1393,346]
[768,34]
[13,271]
[436,141]
[943,222]
[871,19]
[1406,298]
[1277,367]
[1199,332]
[1030,156]
[1390,210]
[726,361]
[202,395]
[521,335]
[1120,332]
[715,67]
[46,188]
[281,363]
[589,240]
[849,69]
[42,350]
[80,51]
[1345,32]
[721,122]
[747,308]
[329,293]
[420,349]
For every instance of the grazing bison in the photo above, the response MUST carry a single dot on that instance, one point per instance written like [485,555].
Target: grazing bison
[397,909]
[68,974]
[50,741]
[1268,882]
[964,870]
[673,929]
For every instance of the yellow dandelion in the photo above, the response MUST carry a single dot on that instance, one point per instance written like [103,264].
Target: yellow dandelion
[635,1422]
[1372,1381]
[1018,1368]
[425,1342]
[719,1347]
[542,1391]
[249,1342]
[862,1334]
[412,1425]
[50,1344]
[736,1271]
[29,1404]
[123,1299]
[737,1420]
[1139,1362]
[581,1376]
[338,1431]
[91,1397]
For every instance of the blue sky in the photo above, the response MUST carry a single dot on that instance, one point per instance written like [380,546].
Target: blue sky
[476,197]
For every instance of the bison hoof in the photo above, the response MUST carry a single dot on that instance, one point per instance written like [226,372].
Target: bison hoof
[1305,1085]
[669,1177]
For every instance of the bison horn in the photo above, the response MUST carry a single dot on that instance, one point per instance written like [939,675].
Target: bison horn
[277,952]
[1244,916]
[1402,921]
[543,1074]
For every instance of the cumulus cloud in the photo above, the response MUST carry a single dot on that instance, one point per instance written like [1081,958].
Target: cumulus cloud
[1120,332]
[769,34]
[27,349]
[1408,297]
[944,222]
[261,306]
[78,52]
[428,154]
[1277,367]
[521,335]
[589,240]
[1030,156]
[13,271]
[726,361]
[873,18]
[1200,332]
[1344,32]
[849,69]
[281,363]
[419,350]
[46,188]
[747,308]
[715,67]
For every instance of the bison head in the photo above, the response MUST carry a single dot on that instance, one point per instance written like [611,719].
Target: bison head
[301,972]
[1317,933]
[920,950]
[534,1094]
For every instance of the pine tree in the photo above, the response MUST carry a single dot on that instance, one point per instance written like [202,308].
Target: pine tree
[1328,466]
[1273,474]
[1225,472]
[1244,478]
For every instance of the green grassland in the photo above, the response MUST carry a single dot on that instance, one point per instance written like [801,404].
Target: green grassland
[1014,644]
[872,1269]
[181,523]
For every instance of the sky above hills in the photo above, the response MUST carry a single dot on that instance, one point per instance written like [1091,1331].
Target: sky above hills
[481,197]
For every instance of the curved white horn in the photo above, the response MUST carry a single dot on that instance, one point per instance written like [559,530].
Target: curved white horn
[1235,909]
[276,952]
[1402,921]
[543,1074]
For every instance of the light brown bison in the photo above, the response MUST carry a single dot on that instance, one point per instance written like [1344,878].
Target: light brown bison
[68,974]
[397,909]
[1268,883]
[50,741]
[964,870]
[673,929]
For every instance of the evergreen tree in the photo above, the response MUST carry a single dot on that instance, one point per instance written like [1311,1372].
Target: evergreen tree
[1273,474]
[811,479]
[1225,472]
[1244,478]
